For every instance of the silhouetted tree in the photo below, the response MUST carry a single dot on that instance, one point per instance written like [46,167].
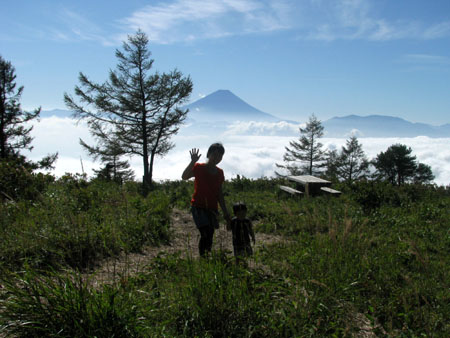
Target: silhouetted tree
[331,165]
[305,156]
[398,166]
[14,134]
[138,110]
[423,174]
[110,154]
[352,163]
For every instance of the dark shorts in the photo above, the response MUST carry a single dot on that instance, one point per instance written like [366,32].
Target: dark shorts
[204,217]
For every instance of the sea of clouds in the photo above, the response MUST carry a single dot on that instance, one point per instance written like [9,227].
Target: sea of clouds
[252,149]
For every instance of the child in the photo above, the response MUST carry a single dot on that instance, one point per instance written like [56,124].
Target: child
[242,230]
[207,194]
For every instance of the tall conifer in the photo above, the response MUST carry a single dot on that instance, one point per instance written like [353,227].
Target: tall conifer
[352,162]
[305,156]
[138,111]
[14,135]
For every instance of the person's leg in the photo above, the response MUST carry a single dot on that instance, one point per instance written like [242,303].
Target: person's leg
[248,250]
[206,239]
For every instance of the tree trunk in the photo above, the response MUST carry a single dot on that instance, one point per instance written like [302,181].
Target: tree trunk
[150,174]
[145,179]
[311,155]
[154,148]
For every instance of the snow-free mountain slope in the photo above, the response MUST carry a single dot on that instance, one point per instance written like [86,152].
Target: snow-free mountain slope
[223,111]
[223,105]
[381,126]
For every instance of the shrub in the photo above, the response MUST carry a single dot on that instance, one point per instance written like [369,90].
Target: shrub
[76,223]
[17,182]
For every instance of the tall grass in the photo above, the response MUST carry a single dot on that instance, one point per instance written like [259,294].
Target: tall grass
[63,305]
[375,261]
[77,223]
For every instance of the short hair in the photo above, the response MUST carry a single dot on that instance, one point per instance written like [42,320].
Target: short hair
[215,147]
[239,206]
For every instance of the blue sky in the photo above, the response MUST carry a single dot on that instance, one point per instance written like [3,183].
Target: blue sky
[289,58]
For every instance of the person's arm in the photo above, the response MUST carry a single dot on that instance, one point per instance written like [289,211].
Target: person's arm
[189,171]
[223,206]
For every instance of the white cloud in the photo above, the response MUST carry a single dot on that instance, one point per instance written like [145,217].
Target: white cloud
[187,20]
[252,156]
[432,151]
[427,59]
[79,27]
[355,132]
[437,31]
[263,128]
[354,19]
[54,134]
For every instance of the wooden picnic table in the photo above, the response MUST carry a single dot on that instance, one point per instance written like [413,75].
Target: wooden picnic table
[312,185]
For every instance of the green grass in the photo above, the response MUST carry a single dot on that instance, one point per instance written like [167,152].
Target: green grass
[77,223]
[377,256]
[60,305]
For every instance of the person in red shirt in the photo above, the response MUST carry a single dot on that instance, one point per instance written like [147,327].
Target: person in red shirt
[207,194]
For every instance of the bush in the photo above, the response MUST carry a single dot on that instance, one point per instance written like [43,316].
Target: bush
[76,223]
[19,183]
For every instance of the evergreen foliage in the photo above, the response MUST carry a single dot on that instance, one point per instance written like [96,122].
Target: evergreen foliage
[16,171]
[110,154]
[135,110]
[423,173]
[331,165]
[352,163]
[14,134]
[307,150]
[398,166]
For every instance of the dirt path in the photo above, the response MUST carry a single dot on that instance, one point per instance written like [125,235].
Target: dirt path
[185,237]
[185,241]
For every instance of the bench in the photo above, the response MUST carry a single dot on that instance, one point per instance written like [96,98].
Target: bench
[330,191]
[290,190]
[311,184]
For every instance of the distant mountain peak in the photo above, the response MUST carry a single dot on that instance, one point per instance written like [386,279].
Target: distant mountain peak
[222,100]
[223,104]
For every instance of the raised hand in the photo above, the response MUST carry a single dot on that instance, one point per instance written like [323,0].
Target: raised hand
[195,156]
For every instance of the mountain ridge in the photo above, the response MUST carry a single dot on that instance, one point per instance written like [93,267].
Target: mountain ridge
[381,126]
[221,109]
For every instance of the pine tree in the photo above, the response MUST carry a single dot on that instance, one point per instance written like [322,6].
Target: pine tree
[138,110]
[110,154]
[14,135]
[396,164]
[423,174]
[305,155]
[352,163]
[331,165]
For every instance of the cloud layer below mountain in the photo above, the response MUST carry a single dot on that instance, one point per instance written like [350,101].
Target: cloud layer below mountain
[252,149]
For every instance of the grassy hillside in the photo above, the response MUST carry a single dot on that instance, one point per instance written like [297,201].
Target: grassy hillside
[373,262]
